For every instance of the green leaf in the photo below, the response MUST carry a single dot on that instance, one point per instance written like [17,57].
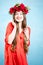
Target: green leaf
[17,5]
[28,8]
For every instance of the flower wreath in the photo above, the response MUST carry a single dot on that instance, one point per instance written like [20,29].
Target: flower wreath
[19,7]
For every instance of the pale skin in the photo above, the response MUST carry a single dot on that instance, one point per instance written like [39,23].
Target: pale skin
[19,19]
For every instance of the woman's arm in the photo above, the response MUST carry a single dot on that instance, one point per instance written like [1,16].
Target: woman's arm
[12,35]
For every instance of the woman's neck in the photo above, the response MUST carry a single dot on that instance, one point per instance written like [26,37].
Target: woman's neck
[19,25]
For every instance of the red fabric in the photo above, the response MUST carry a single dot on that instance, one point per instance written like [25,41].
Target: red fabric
[18,57]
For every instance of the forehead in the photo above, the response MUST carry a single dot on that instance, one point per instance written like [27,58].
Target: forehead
[19,12]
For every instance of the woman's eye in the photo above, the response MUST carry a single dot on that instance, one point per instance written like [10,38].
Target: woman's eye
[16,14]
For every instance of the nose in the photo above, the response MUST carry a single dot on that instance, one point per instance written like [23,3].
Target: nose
[18,17]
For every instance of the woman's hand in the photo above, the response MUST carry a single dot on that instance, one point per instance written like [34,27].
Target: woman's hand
[14,24]
[12,35]
[27,40]
[26,33]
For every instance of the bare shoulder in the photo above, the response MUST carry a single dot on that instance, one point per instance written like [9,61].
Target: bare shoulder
[9,23]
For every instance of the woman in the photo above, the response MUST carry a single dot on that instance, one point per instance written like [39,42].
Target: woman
[17,37]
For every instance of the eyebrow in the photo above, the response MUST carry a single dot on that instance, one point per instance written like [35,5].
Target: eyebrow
[18,12]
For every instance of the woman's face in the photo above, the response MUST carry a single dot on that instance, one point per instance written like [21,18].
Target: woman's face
[19,16]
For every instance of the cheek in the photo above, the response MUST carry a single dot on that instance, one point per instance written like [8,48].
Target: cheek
[16,17]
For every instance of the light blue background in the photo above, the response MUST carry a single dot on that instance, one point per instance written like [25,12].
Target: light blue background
[34,20]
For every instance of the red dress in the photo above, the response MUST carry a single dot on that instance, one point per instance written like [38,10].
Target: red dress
[18,57]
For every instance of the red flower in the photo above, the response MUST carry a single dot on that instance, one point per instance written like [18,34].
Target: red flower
[11,10]
[22,6]
[25,10]
[17,8]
